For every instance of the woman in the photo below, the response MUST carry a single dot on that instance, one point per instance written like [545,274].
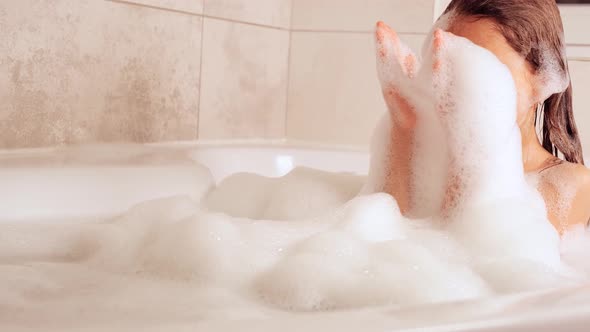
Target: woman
[527,36]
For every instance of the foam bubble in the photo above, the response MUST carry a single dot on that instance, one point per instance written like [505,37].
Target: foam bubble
[302,193]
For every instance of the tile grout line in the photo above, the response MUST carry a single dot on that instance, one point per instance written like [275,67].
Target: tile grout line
[126,2]
[288,85]
[355,31]
[201,75]
[244,22]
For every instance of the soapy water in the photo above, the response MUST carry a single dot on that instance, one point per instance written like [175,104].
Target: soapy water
[253,247]
[187,262]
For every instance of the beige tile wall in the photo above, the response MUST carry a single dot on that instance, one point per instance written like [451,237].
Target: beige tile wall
[189,6]
[244,81]
[275,13]
[353,15]
[334,95]
[85,71]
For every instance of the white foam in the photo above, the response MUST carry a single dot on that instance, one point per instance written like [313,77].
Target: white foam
[173,258]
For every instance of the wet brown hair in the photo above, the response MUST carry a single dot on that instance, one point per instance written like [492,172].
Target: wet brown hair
[527,24]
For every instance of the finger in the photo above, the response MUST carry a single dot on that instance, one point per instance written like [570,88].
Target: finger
[394,58]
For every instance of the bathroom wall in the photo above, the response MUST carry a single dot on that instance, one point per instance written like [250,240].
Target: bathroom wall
[85,71]
[334,96]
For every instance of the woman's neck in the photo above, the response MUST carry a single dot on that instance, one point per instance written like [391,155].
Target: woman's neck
[534,156]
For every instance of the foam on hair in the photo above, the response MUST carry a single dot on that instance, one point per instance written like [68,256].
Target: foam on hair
[551,77]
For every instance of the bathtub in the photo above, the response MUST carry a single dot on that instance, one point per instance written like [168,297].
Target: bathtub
[78,182]
[92,182]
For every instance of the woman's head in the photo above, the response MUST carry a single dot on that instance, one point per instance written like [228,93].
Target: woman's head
[527,36]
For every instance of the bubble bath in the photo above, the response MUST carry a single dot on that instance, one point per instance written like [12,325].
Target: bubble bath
[307,249]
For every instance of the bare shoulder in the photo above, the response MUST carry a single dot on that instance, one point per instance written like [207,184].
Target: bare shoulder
[580,207]
[566,190]
[575,175]
[581,175]
[582,172]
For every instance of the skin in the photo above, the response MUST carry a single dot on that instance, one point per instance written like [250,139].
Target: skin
[402,137]
[564,187]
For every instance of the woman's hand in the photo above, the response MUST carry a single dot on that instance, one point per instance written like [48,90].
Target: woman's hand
[395,63]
